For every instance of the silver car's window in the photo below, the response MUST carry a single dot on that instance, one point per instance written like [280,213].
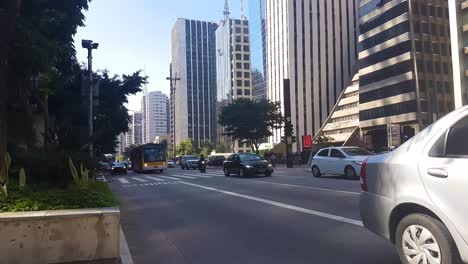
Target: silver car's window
[457,140]
[336,154]
[323,153]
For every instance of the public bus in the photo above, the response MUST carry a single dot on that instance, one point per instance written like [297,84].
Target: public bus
[148,158]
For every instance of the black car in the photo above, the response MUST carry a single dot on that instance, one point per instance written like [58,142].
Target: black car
[246,164]
[118,167]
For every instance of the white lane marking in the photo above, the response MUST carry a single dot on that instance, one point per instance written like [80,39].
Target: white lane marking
[185,177]
[283,205]
[125,256]
[138,179]
[123,181]
[199,175]
[154,178]
[309,187]
[210,174]
[169,178]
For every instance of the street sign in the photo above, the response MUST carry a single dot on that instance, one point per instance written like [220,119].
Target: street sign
[394,135]
[306,141]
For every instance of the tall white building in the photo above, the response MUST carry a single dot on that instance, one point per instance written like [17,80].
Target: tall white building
[458,15]
[155,116]
[314,44]
[233,68]
[194,62]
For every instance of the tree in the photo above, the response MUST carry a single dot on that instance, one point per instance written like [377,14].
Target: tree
[323,141]
[223,147]
[250,121]
[206,147]
[185,147]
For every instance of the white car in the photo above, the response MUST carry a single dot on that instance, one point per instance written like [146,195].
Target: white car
[416,195]
[339,161]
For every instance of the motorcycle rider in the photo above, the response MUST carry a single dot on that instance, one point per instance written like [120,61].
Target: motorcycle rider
[201,163]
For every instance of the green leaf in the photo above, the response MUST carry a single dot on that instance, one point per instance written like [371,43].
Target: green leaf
[22,178]
[73,171]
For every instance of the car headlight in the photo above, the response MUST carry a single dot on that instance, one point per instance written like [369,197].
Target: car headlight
[270,166]
[146,164]
[359,163]
[248,167]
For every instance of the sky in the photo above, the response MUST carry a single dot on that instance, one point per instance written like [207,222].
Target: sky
[136,35]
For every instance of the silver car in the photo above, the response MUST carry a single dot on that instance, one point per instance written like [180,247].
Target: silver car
[339,161]
[415,196]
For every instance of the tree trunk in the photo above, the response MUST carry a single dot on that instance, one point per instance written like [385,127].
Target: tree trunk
[8,13]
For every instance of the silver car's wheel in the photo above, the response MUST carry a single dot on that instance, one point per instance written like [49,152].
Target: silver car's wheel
[420,245]
[423,239]
[316,172]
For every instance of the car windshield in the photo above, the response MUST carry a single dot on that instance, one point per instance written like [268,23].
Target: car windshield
[357,152]
[118,164]
[249,157]
[191,157]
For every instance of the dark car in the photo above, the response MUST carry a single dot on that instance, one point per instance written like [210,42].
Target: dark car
[104,166]
[216,161]
[246,164]
[118,167]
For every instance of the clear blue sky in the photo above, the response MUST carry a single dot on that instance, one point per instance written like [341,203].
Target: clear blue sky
[134,34]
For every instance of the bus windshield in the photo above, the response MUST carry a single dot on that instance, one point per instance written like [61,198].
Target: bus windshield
[153,154]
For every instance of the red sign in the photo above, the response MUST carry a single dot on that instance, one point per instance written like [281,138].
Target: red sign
[306,141]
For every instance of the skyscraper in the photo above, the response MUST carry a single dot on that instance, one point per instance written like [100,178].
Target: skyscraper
[459,41]
[257,28]
[314,44]
[136,121]
[155,116]
[405,66]
[233,67]
[194,62]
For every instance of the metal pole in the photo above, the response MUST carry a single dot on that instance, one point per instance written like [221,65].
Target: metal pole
[90,120]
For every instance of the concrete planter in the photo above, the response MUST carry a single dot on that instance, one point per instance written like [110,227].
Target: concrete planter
[60,236]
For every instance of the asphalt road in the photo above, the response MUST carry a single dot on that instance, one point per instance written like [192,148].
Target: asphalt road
[183,216]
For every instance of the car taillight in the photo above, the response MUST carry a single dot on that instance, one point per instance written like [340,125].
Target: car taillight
[364,176]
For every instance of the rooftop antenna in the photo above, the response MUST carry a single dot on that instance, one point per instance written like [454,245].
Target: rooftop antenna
[242,10]
[226,12]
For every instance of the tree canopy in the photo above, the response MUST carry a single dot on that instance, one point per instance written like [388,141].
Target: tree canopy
[250,121]
[185,147]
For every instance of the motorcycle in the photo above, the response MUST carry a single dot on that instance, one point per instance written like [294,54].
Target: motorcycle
[202,166]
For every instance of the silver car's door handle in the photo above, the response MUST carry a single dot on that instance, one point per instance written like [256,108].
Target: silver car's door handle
[441,173]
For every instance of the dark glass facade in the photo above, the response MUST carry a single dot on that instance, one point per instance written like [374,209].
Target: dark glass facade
[201,80]
[258,48]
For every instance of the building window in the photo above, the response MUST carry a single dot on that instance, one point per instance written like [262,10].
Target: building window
[435,48]
[238,56]
[425,28]
[239,65]
[440,12]
[442,30]
[238,47]
[239,91]
[246,57]
[245,22]
[246,48]
[431,10]
[246,66]
[238,39]
[427,47]
[238,30]
[418,46]
[247,91]
[239,83]
[246,74]
[446,69]
[239,74]
[429,67]
[247,83]
[246,39]
[246,30]
[237,22]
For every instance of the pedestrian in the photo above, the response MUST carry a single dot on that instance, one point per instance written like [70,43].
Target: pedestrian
[273,160]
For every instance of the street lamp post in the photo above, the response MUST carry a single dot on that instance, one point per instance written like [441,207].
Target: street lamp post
[90,45]
[173,82]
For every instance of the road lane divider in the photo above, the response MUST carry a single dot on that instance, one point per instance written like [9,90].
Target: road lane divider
[308,187]
[124,181]
[155,179]
[282,205]
[170,178]
[185,177]
[138,179]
